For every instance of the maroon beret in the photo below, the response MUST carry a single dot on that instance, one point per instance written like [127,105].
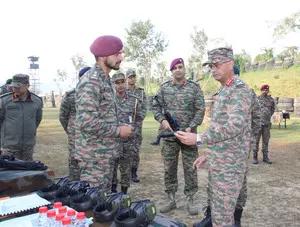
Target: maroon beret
[106,45]
[175,62]
[265,86]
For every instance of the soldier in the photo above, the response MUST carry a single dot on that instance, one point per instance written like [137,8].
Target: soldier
[140,93]
[6,87]
[228,138]
[67,116]
[242,199]
[267,106]
[20,115]
[184,100]
[129,112]
[97,129]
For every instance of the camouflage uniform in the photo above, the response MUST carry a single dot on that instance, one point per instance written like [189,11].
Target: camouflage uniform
[186,103]
[19,120]
[267,106]
[129,112]
[140,94]
[67,117]
[97,132]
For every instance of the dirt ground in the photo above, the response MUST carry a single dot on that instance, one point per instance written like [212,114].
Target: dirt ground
[273,190]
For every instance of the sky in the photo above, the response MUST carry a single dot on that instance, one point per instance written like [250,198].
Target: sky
[58,29]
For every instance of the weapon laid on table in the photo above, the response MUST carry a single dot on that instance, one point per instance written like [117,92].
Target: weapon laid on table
[172,122]
[10,163]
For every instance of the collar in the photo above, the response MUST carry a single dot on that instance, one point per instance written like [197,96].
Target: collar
[230,81]
[27,98]
[173,82]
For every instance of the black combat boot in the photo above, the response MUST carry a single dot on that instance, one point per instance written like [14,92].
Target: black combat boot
[114,188]
[266,158]
[134,176]
[237,217]
[255,160]
[206,222]
[124,189]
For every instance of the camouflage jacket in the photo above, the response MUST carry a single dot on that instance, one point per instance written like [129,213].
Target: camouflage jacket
[185,102]
[129,111]
[67,112]
[267,106]
[19,120]
[255,118]
[140,94]
[97,129]
[229,133]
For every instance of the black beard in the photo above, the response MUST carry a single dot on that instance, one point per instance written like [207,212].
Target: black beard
[114,67]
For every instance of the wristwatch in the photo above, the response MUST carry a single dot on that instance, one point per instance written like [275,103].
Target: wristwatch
[198,142]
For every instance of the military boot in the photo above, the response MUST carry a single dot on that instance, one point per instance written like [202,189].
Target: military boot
[266,158]
[124,189]
[134,176]
[255,160]
[237,217]
[191,207]
[169,205]
[206,222]
[114,188]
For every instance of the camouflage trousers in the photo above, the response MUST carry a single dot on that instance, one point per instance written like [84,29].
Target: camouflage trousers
[124,164]
[224,189]
[136,152]
[25,155]
[242,199]
[170,153]
[264,132]
[74,170]
[97,168]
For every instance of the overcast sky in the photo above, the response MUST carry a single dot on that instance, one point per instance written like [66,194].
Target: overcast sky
[55,30]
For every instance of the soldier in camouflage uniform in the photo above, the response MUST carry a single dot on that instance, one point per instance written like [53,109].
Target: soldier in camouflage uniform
[67,116]
[97,129]
[184,100]
[6,87]
[129,112]
[20,115]
[242,199]
[228,138]
[267,106]
[140,93]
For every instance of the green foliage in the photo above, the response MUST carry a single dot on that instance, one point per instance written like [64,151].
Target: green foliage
[144,45]
[242,59]
[287,25]
[199,41]
[267,55]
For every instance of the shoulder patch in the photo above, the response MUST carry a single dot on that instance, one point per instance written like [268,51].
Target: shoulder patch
[239,82]
[6,94]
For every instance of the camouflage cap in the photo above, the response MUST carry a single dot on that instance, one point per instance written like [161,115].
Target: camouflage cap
[19,80]
[130,72]
[219,55]
[118,76]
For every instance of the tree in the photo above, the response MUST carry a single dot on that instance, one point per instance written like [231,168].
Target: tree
[161,71]
[78,63]
[144,45]
[267,55]
[287,25]
[242,59]
[199,42]
[61,76]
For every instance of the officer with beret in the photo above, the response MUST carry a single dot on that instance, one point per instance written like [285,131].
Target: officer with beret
[67,117]
[20,115]
[184,100]
[97,129]
[267,106]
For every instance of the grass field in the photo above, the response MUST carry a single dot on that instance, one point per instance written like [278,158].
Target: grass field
[273,190]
